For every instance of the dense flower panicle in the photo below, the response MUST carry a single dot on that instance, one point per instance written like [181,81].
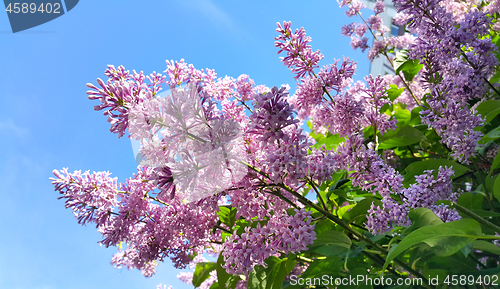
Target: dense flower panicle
[336,78]
[233,110]
[344,117]
[348,29]
[379,7]
[423,194]
[376,97]
[134,204]
[289,234]
[121,92]
[456,124]
[392,42]
[92,197]
[445,213]
[458,61]
[271,113]
[354,6]
[370,172]
[176,231]
[244,85]
[361,43]
[125,213]
[156,80]
[197,142]
[376,24]
[429,189]
[114,97]
[300,57]
[321,165]
[287,157]
[380,220]
[309,96]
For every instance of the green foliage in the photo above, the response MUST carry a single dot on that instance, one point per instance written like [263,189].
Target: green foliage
[329,140]
[489,109]
[227,216]
[444,239]
[271,276]
[409,67]
[496,163]
[394,92]
[402,136]
[331,243]
[202,272]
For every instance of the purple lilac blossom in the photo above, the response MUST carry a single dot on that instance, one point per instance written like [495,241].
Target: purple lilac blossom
[286,234]
[300,57]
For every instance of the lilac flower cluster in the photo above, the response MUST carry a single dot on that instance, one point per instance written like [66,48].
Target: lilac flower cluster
[286,234]
[459,60]
[456,124]
[300,57]
[271,114]
[423,194]
[368,169]
[121,92]
[126,213]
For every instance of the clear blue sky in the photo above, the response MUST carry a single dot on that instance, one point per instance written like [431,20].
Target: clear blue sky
[47,122]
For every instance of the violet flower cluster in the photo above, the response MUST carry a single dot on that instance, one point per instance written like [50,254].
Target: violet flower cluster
[198,144]
[127,217]
[423,194]
[281,235]
[458,62]
[221,141]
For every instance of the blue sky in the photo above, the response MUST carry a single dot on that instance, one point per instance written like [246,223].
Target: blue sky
[47,122]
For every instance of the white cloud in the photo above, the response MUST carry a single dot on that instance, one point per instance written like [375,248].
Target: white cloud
[9,127]
[210,11]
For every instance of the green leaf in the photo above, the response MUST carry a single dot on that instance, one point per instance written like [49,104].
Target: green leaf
[222,275]
[401,58]
[489,109]
[402,136]
[358,213]
[394,92]
[486,246]
[409,67]
[329,140]
[471,201]
[415,116]
[444,239]
[496,188]
[493,134]
[338,184]
[324,225]
[401,114]
[271,276]
[456,263]
[202,272]
[331,243]
[227,216]
[329,266]
[418,168]
[422,217]
[357,273]
[496,163]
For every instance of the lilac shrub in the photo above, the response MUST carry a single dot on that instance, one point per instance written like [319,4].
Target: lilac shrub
[229,168]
